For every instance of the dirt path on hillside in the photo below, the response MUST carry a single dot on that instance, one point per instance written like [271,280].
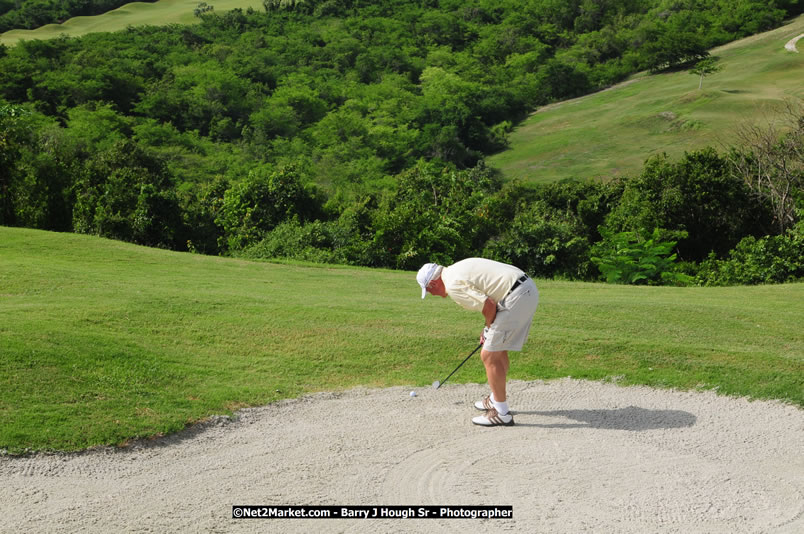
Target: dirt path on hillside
[791,44]
[584,456]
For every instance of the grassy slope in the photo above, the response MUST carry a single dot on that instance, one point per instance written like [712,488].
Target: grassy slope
[160,13]
[103,341]
[612,132]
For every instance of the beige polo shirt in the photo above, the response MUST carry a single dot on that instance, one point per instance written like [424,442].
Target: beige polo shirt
[471,281]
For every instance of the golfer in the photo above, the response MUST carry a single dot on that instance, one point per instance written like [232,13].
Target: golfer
[507,298]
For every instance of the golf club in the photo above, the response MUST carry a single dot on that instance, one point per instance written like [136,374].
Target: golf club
[438,384]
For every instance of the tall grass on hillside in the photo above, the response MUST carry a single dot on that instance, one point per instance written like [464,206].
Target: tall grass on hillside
[102,342]
[612,132]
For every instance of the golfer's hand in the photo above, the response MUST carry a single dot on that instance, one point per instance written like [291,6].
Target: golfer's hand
[483,335]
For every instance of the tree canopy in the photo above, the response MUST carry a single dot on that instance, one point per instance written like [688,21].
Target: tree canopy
[337,119]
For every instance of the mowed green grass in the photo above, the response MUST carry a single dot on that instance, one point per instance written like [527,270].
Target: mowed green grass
[103,341]
[159,13]
[613,132]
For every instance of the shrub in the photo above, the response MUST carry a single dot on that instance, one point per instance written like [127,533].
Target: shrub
[125,192]
[312,241]
[435,214]
[353,234]
[252,208]
[767,260]
[543,242]
[698,195]
[202,8]
[589,202]
[625,258]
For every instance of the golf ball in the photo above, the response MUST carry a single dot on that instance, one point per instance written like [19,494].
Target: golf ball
[412,393]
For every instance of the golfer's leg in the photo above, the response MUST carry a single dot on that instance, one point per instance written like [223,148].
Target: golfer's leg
[496,363]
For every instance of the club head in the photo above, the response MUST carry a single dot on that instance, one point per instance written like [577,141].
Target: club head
[436,384]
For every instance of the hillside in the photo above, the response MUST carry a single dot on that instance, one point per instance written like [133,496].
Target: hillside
[104,341]
[612,132]
[161,13]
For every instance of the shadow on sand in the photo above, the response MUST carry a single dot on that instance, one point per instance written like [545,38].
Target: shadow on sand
[631,418]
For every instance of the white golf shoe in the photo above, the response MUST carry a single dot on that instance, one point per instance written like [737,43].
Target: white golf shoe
[484,404]
[492,418]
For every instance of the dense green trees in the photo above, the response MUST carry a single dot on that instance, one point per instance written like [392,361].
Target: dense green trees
[360,90]
[698,195]
[35,171]
[765,260]
[124,192]
[259,203]
[355,131]
[630,231]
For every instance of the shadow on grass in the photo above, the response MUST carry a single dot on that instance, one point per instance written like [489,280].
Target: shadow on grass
[631,418]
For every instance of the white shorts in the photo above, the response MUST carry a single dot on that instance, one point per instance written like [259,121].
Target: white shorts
[510,328]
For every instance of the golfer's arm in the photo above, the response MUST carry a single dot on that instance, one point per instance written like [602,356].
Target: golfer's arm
[489,311]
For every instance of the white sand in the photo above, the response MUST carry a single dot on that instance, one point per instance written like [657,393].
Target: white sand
[583,456]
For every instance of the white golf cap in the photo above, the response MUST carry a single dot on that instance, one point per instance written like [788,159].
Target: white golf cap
[427,273]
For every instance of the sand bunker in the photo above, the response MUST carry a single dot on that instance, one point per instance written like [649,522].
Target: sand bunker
[584,456]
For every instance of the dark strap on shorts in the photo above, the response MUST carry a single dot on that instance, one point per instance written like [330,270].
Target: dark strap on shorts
[519,281]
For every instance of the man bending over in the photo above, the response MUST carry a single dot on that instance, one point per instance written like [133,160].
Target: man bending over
[507,298]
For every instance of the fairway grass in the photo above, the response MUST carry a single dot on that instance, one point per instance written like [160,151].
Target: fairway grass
[611,133]
[102,342]
[160,13]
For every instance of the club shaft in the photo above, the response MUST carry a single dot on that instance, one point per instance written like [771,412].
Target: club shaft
[461,364]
